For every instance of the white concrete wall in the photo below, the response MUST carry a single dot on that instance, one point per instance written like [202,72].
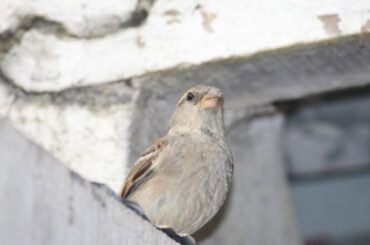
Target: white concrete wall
[85,131]
[90,48]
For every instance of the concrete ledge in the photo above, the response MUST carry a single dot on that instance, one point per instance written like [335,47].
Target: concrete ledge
[175,34]
[42,202]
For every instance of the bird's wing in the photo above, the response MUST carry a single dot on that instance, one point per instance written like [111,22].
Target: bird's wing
[142,168]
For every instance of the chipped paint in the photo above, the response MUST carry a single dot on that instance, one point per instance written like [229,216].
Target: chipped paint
[172,15]
[330,23]
[208,18]
[140,42]
[364,29]
[171,12]
[173,21]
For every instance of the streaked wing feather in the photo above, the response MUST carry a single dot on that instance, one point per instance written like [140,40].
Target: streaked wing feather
[142,167]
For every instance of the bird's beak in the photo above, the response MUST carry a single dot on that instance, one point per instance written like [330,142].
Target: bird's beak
[212,100]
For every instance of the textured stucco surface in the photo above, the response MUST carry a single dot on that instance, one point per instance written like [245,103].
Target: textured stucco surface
[86,129]
[82,18]
[77,43]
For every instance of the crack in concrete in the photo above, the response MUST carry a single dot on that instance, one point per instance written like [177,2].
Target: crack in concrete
[94,97]
[44,24]
[10,38]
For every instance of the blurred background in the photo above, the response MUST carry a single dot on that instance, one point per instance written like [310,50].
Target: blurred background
[86,86]
[327,161]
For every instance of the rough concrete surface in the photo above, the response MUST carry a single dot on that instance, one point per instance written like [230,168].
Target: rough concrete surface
[82,18]
[42,202]
[76,43]
[86,129]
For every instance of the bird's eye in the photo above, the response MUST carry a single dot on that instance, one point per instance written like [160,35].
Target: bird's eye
[189,96]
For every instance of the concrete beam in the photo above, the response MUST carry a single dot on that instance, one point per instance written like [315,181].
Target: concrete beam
[81,43]
[42,202]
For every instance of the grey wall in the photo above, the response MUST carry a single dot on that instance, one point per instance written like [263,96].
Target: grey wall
[42,202]
[327,150]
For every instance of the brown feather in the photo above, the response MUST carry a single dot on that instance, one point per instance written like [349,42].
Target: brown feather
[142,167]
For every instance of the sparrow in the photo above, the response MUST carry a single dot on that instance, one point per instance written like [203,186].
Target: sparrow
[183,178]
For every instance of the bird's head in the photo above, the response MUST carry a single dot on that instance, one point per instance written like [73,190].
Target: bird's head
[200,109]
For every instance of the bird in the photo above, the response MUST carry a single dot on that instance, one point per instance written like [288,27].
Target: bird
[182,180]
